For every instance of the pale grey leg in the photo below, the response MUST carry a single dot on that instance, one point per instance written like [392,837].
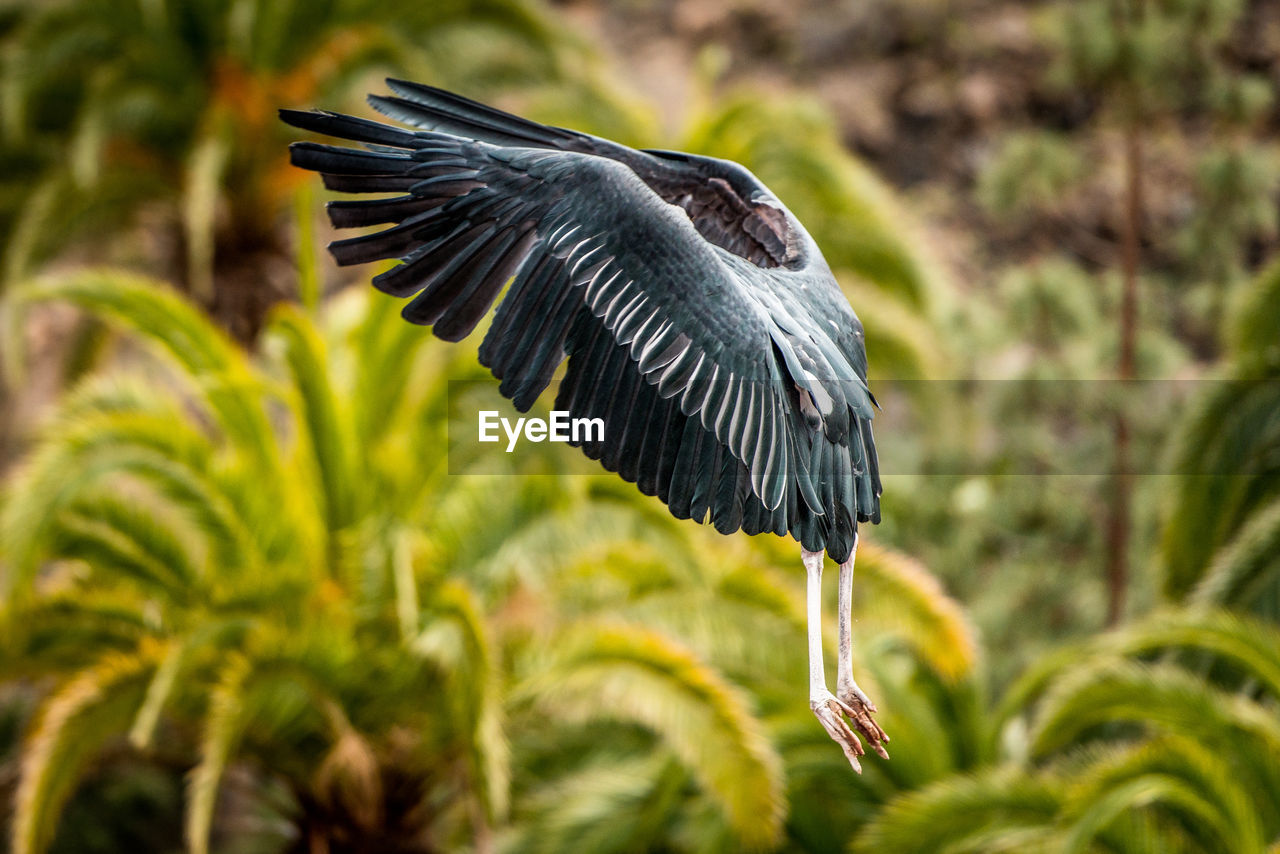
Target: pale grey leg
[829,711]
[856,704]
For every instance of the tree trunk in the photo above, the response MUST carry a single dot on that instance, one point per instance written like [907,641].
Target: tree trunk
[1118,524]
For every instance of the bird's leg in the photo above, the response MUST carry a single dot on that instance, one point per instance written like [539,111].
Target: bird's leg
[825,706]
[856,704]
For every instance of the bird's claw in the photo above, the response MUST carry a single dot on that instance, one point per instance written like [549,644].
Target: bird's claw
[831,713]
[859,709]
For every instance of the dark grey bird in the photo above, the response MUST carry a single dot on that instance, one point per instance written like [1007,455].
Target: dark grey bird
[699,319]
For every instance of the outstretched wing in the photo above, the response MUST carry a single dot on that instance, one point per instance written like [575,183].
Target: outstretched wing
[582,234]
[725,202]
[697,370]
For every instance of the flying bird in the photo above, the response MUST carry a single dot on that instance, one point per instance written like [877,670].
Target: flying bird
[698,317]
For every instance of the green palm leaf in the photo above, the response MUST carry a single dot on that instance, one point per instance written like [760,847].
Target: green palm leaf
[1161,699]
[626,674]
[961,813]
[222,730]
[72,724]
[113,533]
[1248,646]
[610,806]
[68,630]
[457,639]
[902,598]
[1246,572]
[1225,460]
[156,450]
[1253,337]
[144,307]
[328,432]
[1180,777]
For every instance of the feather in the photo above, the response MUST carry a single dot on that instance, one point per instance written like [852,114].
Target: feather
[349,127]
[336,160]
[356,214]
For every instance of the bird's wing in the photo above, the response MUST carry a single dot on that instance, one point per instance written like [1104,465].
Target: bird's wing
[726,203]
[588,242]
[649,441]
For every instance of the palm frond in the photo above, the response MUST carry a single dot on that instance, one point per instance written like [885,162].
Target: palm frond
[383,351]
[611,806]
[455,637]
[625,674]
[1246,571]
[327,430]
[748,644]
[309,283]
[1253,337]
[32,226]
[159,690]
[115,392]
[1178,776]
[72,724]
[1224,458]
[205,170]
[69,630]
[1249,645]
[222,729]
[153,448]
[114,533]
[903,598]
[954,813]
[1160,698]
[149,310]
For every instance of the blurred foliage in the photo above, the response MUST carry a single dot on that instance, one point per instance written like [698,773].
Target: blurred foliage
[112,108]
[1222,534]
[222,561]
[1154,738]
[1032,170]
[229,560]
[1176,70]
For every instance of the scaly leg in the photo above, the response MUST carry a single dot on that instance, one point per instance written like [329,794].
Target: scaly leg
[855,703]
[823,703]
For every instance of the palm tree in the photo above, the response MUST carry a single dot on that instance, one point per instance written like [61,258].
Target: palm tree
[1157,737]
[235,561]
[737,613]
[267,567]
[168,109]
[1153,738]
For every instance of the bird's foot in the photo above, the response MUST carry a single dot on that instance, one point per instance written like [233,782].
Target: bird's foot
[859,709]
[831,713]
